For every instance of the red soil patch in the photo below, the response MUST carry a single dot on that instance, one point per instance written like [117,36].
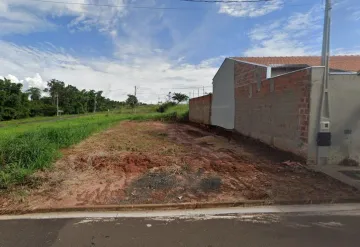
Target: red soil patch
[154,162]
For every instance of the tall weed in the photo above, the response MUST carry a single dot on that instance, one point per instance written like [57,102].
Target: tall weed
[23,151]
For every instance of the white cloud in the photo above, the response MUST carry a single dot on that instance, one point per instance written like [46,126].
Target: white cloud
[154,74]
[133,62]
[23,16]
[28,82]
[356,15]
[214,62]
[248,9]
[36,81]
[298,35]
[310,20]
[344,51]
[350,8]
[13,78]
[15,20]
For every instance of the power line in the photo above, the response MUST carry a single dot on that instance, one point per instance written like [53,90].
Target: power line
[137,94]
[226,1]
[129,5]
[234,2]
[169,88]
[114,6]
[188,87]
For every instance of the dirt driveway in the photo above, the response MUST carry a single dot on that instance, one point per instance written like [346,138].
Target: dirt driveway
[155,162]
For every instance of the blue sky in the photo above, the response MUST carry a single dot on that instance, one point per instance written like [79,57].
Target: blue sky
[167,47]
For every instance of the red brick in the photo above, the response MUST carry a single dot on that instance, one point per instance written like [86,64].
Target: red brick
[297,82]
[200,109]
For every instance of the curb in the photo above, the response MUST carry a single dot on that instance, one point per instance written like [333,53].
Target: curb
[175,206]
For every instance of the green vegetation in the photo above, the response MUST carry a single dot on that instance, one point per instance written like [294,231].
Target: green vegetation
[17,122]
[16,104]
[28,147]
[132,101]
[176,98]
[139,109]
[180,97]
[165,106]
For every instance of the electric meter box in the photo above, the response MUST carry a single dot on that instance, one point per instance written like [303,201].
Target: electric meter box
[325,126]
[324,134]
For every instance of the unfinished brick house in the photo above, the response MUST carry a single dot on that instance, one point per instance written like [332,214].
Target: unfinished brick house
[278,99]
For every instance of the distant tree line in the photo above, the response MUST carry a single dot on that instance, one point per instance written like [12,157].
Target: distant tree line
[16,104]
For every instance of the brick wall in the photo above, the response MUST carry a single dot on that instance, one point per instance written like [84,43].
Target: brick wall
[275,110]
[200,109]
[248,73]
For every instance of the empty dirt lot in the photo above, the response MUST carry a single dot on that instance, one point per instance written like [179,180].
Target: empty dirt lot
[156,162]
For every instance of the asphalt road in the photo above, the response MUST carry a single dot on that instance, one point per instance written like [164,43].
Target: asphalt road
[263,230]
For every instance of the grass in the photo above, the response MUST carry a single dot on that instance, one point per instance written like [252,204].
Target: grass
[124,110]
[18,122]
[138,110]
[29,147]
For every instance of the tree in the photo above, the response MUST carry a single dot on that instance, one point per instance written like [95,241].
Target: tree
[35,93]
[132,101]
[46,100]
[180,97]
[55,87]
[15,104]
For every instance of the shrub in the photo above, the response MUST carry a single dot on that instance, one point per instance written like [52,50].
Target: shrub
[183,117]
[165,106]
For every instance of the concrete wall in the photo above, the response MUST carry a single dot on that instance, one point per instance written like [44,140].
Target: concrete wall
[200,109]
[276,111]
[223,101]
[344,103]
[317,74]
[344,95]
[277,72]
[281,71]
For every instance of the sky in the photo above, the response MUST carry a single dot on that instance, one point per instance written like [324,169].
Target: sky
[159,46]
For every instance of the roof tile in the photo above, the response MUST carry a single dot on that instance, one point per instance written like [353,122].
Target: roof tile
[348,63]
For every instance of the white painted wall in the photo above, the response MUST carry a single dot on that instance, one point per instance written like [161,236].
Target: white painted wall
[223,102]
[344,101]
[344,95]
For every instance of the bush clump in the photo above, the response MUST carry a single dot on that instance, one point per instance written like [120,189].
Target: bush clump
[165,106]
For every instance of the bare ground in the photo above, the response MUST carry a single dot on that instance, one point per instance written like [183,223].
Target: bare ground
[154,162]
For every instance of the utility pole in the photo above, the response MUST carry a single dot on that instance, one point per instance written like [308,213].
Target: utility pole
[203,90]
[326,34]
[95,103]
[198,92]
[324,134]
[135,97]
[57,104]
[326,44]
